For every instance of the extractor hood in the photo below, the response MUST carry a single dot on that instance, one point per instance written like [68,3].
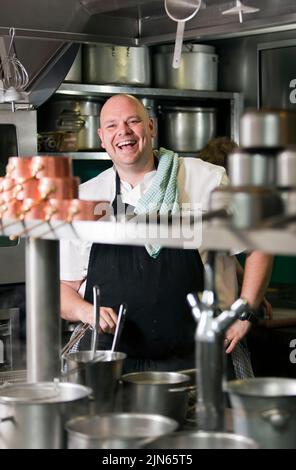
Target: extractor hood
[48,31]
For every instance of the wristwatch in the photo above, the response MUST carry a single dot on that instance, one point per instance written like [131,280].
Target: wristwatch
[251,316]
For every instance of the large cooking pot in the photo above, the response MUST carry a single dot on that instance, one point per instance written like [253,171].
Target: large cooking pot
[117,430]
[286,169]
[33,416]
[268,128]
[198,67]
[164,393]
[265,409]
[100,374]
[80,116]
[187,129]
[116,64]
[203,440]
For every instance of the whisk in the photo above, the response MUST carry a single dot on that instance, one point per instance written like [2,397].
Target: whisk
[15,76]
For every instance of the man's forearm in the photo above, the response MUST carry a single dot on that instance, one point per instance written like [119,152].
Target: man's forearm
[258,269]
[73,307]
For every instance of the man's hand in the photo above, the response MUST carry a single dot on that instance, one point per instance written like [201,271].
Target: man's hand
[108,320]
[235,333]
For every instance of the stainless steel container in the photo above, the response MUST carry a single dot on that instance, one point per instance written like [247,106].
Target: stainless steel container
[286,169]
[198,68]
[268,128]
[164,393]
[187,129]
[203,440]
[151,107]
[101,375]
[116,64]
[33,416]
[117,430]
[251,169]
[75,72]
[265,409]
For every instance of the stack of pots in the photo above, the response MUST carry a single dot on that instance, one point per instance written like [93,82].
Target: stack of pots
[259,167]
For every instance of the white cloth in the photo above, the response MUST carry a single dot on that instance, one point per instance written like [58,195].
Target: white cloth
[196,179]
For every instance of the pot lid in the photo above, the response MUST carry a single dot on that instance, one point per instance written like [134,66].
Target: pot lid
[187,47]
[42,392]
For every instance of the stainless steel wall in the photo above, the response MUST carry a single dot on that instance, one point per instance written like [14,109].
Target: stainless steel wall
[238,63]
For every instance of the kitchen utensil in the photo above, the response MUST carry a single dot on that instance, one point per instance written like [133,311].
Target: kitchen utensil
[198,68]
[119,327]
[117,430]
[96,321]
[180,11]
[203,440]
[239,10]
[33,415]
[251,168]
[264,409]
[286,169]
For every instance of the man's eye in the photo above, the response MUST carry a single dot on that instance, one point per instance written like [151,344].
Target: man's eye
[110,126]
[134,121]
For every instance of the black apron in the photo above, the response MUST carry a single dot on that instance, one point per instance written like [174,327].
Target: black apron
[158,333]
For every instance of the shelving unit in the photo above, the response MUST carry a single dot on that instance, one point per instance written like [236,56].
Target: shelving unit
[233,100]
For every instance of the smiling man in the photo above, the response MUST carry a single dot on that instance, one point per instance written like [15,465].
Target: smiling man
[153,281]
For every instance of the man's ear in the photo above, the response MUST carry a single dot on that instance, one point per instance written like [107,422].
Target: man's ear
[100,134]
[152,127]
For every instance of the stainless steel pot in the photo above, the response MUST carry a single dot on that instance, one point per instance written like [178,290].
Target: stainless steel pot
[33,416]
[164,393]
[198,68]
[268,128]
[117,430]
[75,72]
[286,169]
[101,374]
[187,129]
[251,169]
[265,409]
[116,64]
[203,440]
[80,116]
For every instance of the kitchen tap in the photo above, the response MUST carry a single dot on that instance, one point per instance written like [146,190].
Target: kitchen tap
[210,351]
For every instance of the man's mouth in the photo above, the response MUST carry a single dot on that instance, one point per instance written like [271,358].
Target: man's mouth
[126,144]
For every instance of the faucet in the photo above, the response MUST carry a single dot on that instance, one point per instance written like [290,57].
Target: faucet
[210,355]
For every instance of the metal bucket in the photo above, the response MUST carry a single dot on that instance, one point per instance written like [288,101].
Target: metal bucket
[265,410]
[33,416]
[164,393]
[117,431]
[101,374]
[203,440]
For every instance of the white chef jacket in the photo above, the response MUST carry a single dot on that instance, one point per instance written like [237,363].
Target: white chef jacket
[196,179]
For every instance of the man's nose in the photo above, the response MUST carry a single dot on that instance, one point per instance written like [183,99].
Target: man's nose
[124,128]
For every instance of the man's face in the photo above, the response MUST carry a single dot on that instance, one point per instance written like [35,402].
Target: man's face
[126,131]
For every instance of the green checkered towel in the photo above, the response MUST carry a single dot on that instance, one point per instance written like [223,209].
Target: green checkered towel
[163,195]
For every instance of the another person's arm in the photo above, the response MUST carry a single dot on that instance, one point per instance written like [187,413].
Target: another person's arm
[75,308]
[257,273]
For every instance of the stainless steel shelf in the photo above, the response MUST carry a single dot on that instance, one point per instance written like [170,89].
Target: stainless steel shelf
[90,90]
[282,242]
[80,155]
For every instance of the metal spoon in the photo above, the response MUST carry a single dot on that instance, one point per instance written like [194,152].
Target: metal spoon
[180,11]
[119,326]
[96,321]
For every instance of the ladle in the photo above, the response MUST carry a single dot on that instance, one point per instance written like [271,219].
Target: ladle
[96,321]
[119,326]
[180,11]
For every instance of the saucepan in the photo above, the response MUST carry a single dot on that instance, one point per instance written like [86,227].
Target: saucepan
[39,167]
[164,393]
[117,430]
[203,440]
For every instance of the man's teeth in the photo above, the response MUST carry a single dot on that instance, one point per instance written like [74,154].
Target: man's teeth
[126,142]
